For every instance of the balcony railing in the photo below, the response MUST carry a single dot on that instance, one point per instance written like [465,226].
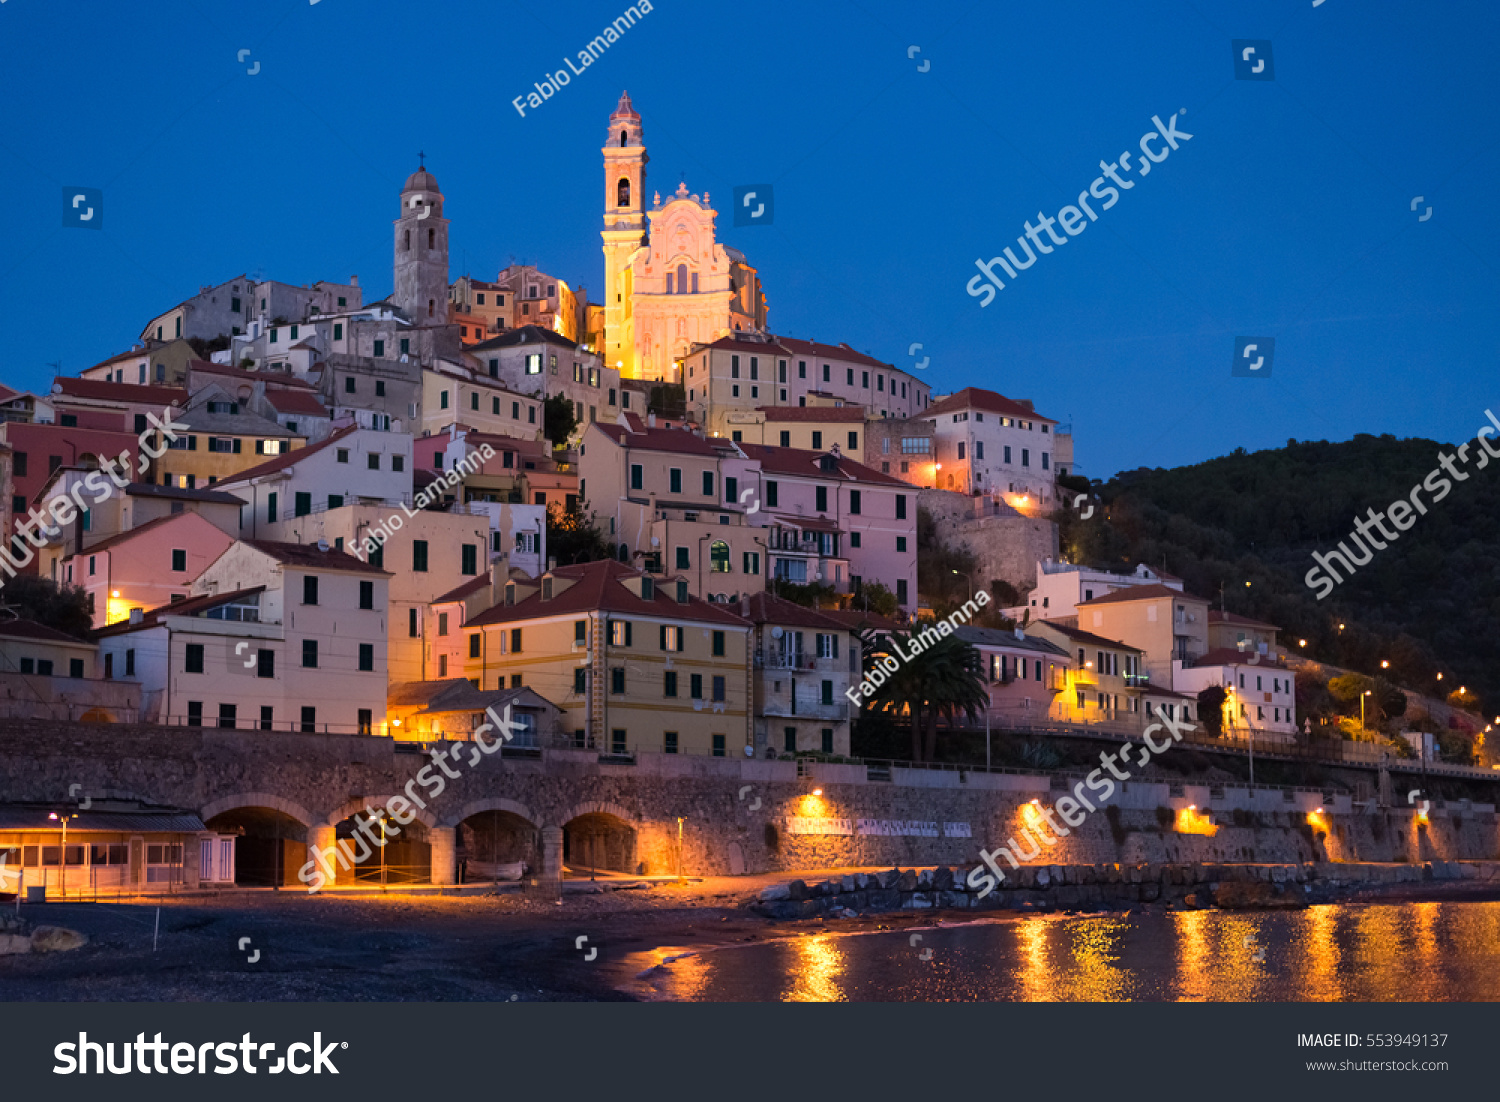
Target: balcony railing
[803,709]
[1137,680]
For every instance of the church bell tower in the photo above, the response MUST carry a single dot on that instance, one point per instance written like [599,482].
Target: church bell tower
[624,228]
[422,252]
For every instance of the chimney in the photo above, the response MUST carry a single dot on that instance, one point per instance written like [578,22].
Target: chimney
[1020,633]
[354,281]
[551,563]
[650,420]
[137,615]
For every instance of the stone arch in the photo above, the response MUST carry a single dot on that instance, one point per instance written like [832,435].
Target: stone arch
[360,803]
[258,799]
[495,803]
[596,807]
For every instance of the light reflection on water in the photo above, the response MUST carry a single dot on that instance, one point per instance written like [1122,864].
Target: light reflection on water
[1382,952]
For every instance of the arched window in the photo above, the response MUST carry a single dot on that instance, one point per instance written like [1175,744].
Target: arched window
[432,239]
[682,284]
[622,137]
[718,555]
[406,241]
[622,193]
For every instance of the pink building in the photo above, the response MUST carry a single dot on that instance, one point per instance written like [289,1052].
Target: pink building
[1023,674]
[146,567]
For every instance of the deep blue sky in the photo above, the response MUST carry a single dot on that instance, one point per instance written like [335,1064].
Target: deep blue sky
[1287,215]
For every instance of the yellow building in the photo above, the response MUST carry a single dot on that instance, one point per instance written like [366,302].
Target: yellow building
[1166,624]
[221,440]
[1106,685]
[635,662]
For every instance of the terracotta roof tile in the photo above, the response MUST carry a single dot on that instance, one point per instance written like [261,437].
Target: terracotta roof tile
[987,400]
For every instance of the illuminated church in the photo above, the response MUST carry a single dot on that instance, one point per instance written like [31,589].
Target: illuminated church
[668,284]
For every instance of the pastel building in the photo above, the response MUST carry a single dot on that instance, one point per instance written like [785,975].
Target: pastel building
[1061,586]
[805,663]
[1024,675]
[276,636]
[149,565]
[990,444]
[1167,625]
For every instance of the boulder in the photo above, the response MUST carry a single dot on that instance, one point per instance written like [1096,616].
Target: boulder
[924,880]
[917,901]
[14,943]
[1042,878]
[907,881]
[890,879]
[774,893]
[943,879]
[797,888]
[884,899]
[955,899]
[1150,892]
[850,884]
[1256,895]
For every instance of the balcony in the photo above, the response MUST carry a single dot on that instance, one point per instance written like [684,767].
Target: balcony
[803,709]
[1137,680]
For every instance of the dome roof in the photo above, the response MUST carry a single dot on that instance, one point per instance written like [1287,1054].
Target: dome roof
[421,180]
[625,109]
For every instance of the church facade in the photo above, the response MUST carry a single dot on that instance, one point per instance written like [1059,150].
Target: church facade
[668,283]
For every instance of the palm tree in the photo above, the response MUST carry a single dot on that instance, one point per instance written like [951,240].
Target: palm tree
[938,682]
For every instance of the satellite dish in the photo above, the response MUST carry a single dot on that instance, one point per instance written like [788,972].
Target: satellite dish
[655,541]
[776,633]
[322,545]
[749,750]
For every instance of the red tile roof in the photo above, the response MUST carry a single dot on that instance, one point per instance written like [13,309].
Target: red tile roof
[755,348]
[838,351]
[130,534]
[858,620]
[309,555]
[29,629]
[1088,638]
[286,459]
[798,461]
[767,608]
[280,378]
[598,586]
[987,400]
[458,593]
[1217,617]
[639,436]
[1233,656]
[98,390]
[1138,593]
[296,401]
[813,413]
[153,617]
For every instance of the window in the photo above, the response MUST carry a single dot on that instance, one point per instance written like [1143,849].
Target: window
[341,455]
[854,502]
[671,637]
[718,554]
[900,543]
[637,476]
[419,556]
[786,439]
[580,680]
[674,477]
[752,562]
[179,559]
[669,742]
[227,715]
[771,488]
[708,484]
[193,658]
[619,633]
[195,713]
[901,597]
[617,741]
[367,595]
[302,503]
[617,680]
[380,350]
[469,556]
[309,719]
[442,623]
[669,684]
[718,687]
[789,739]
[309,654]
[960,449]
[349,385]
[130,662]
[820,498]
[265,663]
[1025,457]
[695,686]
[718,743]
[310,590]
[367,656]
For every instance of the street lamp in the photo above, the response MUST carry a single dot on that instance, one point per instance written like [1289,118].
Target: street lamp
[969,578]
[63,870]
[1362,709]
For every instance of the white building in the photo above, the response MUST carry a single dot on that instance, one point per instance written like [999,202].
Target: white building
[989,444]
[277,636]
[1262,690]
[1061,586]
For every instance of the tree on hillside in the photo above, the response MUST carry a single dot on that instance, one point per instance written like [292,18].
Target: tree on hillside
[573,536]
[64,608]
[876,598]
[559,420]
[1211,710]
[940,682]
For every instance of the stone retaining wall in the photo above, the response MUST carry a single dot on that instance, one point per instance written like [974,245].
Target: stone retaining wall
[1102,886]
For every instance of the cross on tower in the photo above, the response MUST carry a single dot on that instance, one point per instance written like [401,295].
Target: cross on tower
[421,159]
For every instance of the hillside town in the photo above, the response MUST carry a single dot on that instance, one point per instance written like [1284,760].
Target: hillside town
[652,524]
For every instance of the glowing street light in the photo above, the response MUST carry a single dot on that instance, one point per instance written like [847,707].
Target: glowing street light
[63,819]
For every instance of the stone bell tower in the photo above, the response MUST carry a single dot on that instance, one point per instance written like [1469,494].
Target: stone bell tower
[624,227]
[422,252]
